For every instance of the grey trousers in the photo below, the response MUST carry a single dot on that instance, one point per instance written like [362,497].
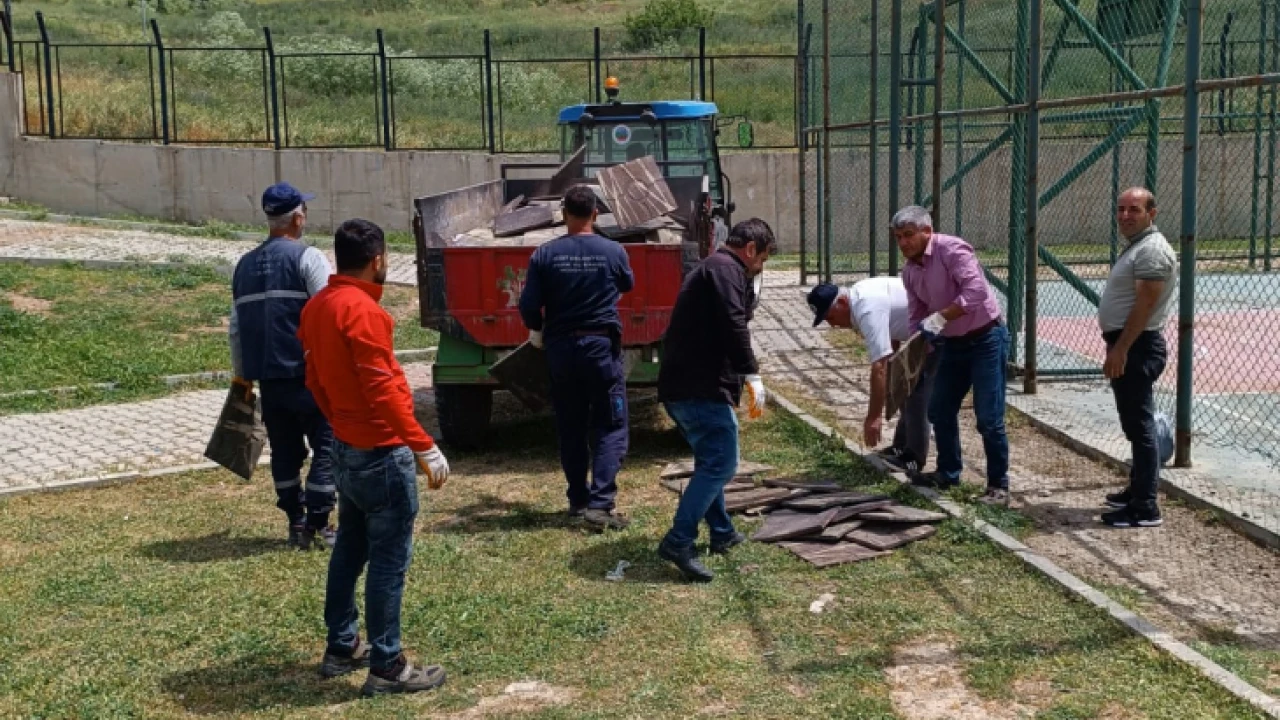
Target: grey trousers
[912,432]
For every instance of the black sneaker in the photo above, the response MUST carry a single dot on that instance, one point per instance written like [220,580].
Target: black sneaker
[296,532]
[934,479]
[687,561]
[720,547]
[409,679]
[336,664]
[1133,517]
[904,460]
[1118,499]
[605,520]
[318,538]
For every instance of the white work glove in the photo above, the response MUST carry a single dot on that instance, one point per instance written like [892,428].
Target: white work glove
[434,466]
[932,326]
[754,388]
[535,338]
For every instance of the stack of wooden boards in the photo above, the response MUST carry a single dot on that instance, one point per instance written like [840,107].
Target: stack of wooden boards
[820,522]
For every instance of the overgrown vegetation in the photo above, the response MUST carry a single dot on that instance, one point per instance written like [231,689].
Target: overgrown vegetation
[664,20]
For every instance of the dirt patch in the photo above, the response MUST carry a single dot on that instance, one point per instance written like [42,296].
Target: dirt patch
[22,303]
[518,698]
[926,682]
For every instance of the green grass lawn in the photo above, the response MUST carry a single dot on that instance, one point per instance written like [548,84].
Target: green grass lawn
[69,326]
[175,597]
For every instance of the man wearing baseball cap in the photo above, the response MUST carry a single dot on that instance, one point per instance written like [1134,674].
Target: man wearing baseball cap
[876,309]
[270,285]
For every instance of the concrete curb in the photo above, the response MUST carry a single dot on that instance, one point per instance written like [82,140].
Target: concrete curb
[113,478]
[1168,482]
[1212,671]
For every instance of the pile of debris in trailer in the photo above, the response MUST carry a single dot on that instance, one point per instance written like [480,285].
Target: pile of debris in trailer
[821,522]
[633,198]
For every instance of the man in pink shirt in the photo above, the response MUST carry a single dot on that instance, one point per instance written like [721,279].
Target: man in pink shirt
[950,301]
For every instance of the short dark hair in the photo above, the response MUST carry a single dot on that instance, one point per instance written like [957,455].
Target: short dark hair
[755,231]
[580,201]
[356,243]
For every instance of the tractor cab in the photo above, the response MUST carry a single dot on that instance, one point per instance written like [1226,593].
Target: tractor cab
[679,135]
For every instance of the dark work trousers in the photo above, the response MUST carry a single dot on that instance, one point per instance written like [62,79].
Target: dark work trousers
[912,432]
[293,421]
[589,394]
[1135,400]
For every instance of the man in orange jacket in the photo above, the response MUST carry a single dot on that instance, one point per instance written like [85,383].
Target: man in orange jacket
[378,449]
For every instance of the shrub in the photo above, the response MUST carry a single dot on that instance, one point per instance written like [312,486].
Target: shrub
[664,20]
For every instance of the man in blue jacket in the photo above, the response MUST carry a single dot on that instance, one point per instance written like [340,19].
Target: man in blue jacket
[576,280]
[270,285]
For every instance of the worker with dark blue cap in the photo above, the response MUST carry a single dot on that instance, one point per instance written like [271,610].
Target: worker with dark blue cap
[570,305]
[270,285]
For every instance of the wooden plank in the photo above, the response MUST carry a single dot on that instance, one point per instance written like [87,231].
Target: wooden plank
[756,498]
[524,372]
[825,555]
[522,220]
[836,531]
[517,202]
[887,537]
[903,514]
[849,512]
[568,174]
[813,487]
[737,485]
[684,468]
[822,501]
[637,191]
[785,526]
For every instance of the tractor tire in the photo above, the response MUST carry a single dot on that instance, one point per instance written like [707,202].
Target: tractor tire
[463,413]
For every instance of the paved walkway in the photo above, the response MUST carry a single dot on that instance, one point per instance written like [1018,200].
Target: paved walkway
[22,240]
[48,449]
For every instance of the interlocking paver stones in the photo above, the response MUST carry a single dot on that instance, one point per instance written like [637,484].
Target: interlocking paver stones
[166,432]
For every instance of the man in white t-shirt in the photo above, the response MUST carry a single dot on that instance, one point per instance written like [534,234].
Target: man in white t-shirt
[876,309]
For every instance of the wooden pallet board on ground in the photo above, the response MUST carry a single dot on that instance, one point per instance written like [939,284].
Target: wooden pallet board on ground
[903,514]
[737,502]
[684,468]
[738,484]
[837,531]
[889,536]
[784,525]
[814,487]
[823,555]
[822,501]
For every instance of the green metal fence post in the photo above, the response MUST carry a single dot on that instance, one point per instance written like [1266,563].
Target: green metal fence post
[873,143]
[802,144]
[939,68]
[826,138]
[1257,135]
[959,194]
[1018,181]
[162,64]
[1035,26]
[1152,174]
[48,73]
[384,75]
[895,120]
[275,97]
[1187,281]
[922,61]
[1271,143]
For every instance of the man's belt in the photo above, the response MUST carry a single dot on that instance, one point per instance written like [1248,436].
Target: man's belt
[593,332]
[975,334]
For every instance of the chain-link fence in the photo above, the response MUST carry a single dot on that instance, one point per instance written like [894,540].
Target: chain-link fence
[1028,119]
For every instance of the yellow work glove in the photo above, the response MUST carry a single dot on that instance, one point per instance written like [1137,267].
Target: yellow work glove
[754,388]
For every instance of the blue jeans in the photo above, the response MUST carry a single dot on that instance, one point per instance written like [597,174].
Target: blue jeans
[293,421]
[377,503]
[589,394]
[977,363]
[711,428]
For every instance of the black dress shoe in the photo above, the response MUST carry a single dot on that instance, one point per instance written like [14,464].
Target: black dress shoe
[688,563]
[720,547]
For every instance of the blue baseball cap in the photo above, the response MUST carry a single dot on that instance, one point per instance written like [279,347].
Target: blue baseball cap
[821,298]
[282,198]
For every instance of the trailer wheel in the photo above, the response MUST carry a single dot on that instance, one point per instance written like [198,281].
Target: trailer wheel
[463,412]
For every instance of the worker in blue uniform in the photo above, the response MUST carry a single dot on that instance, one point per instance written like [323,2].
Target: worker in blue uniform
[270,285]
[570,306]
